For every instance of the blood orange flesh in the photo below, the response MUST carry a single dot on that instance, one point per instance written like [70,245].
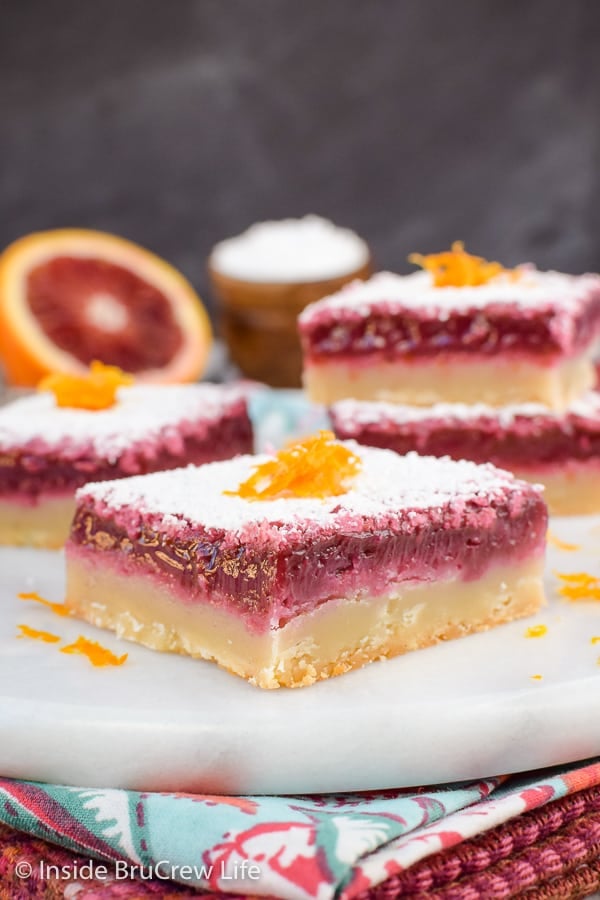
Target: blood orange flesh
[94,309]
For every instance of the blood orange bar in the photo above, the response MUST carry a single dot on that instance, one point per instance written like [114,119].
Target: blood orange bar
[289,591]
[560,450]
[48,451]
[524,336]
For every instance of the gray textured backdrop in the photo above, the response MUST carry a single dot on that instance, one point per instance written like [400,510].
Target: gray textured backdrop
[179,122]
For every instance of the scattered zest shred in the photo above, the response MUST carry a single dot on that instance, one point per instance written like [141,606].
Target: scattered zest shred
[536,677]
[579,586]
[595,640]
[457,268]
[95,652]
[560,545]
[536,631]
[36,635]
[318,466]
[95,390]
[59,608]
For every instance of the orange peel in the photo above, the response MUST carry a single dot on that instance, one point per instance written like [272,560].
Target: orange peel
[93,391]
[95,652]
[536,631]
[555,541]
[317,467]
[457,268]
[36,635]
[59,608]
[579,586]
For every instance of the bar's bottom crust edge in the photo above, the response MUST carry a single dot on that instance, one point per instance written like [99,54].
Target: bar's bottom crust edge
[495,383]
[44,525]
[338,636]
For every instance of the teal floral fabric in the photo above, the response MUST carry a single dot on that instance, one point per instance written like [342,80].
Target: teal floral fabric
[301,848]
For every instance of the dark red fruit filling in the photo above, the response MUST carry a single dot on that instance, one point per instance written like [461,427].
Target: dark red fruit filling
[60,294]
[529,441]
[270,585]
[387,335]
[30,474]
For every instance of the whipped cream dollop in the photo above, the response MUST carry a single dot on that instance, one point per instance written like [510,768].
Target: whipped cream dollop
[291,250]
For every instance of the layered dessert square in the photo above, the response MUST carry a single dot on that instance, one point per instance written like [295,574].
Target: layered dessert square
[47,451]
[560,450]
[288,587]
[520,336]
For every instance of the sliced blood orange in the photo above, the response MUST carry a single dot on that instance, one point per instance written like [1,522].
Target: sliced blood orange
[69,297]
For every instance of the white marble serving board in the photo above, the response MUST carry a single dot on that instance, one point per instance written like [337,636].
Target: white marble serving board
[460,710]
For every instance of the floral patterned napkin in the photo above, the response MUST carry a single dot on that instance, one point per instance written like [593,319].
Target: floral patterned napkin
[301,848]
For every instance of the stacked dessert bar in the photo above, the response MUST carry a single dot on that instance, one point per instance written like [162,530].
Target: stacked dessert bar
[468,360]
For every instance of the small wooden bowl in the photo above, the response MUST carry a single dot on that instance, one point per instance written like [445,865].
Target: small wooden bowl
[259,322]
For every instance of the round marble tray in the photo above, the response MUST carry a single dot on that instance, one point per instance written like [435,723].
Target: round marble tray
[460,710]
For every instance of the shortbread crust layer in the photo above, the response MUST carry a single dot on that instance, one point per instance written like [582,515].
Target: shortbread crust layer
[44,524]
[337,636]
[448,380]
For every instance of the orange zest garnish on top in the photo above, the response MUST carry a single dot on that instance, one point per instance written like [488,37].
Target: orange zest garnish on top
[559,544]
[95,390]
[36,635]
[317,467]
[457,268]
[579,586]
[95,652]
[59,608]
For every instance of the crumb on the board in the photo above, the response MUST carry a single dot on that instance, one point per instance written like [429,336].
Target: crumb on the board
[95,652]
[36,635]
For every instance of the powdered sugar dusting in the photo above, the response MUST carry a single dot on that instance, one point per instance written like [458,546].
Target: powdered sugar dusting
[388,485]
[350,413]
[291,250]
[531,290]
[142,412]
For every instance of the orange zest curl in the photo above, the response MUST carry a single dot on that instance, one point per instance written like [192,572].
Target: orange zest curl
[457,268]
[36,635]
[559,544]
[95,390]
[316,467]
[59,608]
[95,652]
[579,586]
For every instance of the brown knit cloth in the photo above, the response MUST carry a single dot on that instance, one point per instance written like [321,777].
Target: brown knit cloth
[551,853]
